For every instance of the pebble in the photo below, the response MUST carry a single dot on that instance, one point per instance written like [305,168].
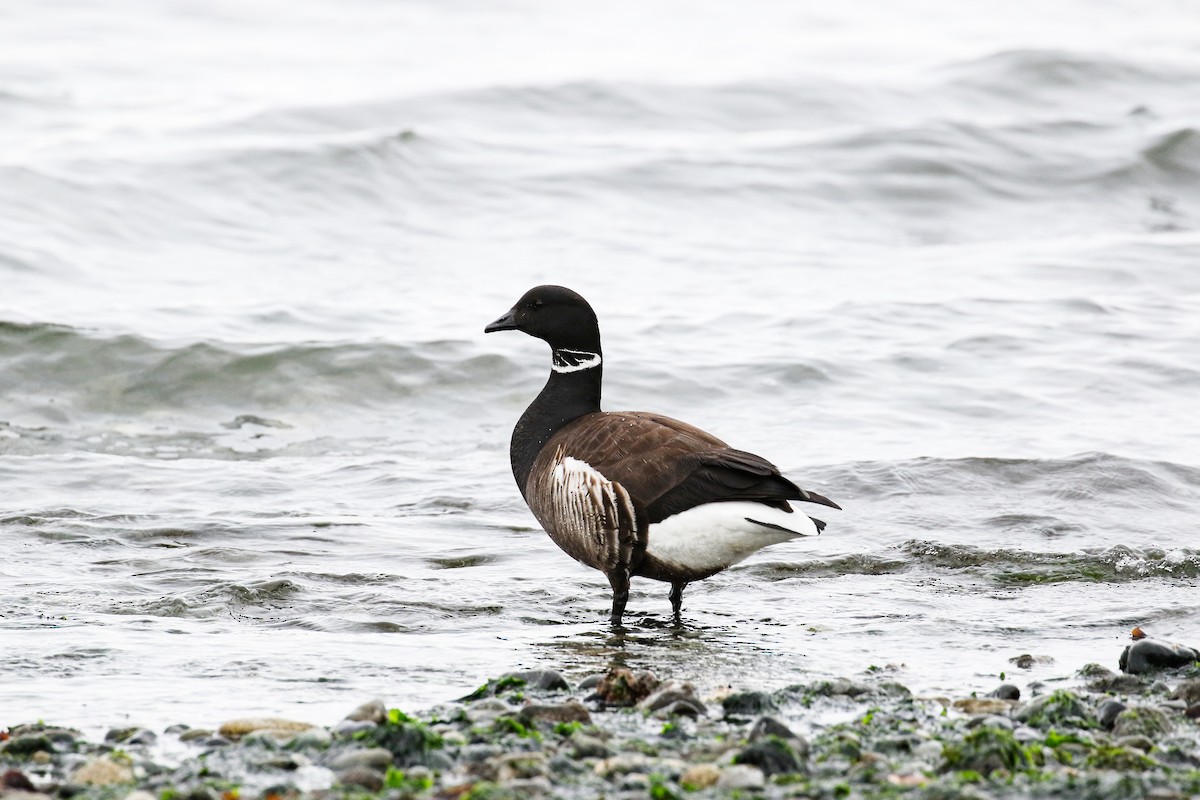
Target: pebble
[982,705]
[570,711]
[542,680]
[990,721]
[348,727]
[1006,691]
[620,687]
[772,756]
[365,777]
[514,766]
[621,764]
[131,736]
[585,746]
[747,704]
[769,726]
[670,692]
[741,776]
[699,776]
[685,707]
[1107,713]
[1188,692]
[373,711]
[102,772]
[237,728]
[379,758]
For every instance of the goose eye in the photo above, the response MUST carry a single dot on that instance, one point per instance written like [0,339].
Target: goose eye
[536,304]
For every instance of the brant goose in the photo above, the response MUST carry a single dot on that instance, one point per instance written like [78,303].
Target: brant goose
[631,493]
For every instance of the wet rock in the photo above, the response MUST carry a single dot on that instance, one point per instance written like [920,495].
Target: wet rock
[1107,713]
[985,750]
[348,727]
[747,704]
[839,687]
[591,681]
[529,787]
[769,726]
[570,711]
[585,746]
[513,766]
[485,711]
[1193,711]
[1136,742]
[1024,661]
[237,728]
[1150,654]
[1141,721]
[194,734]
[373,711]
[686,707]
[377,758]
[131,736]
[102,772]
[1118,683]
[670,693]
[1005,691]
[1058,709]
[699,776]
[364,777]
[15,779]
[311,739]
[741,776]
[27,745]
[620,687]
[982,705]
[991,721]
[540,680]
[1188,692]
[771,755]
[621,764]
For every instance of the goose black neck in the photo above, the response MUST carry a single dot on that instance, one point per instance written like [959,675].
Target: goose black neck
[572,391]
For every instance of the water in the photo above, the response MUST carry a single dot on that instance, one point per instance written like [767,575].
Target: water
[938,266]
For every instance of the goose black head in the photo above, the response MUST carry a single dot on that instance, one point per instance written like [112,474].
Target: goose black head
[555,314]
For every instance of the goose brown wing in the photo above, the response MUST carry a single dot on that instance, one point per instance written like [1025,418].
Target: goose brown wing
[668,466]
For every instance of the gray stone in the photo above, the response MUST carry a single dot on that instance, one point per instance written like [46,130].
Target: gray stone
[990,721]
[131,736]
[774,756]
[672,692]
[1107,713]
[570,711]
[195,734]
[741,776]
[747,703]
[1188,691]
[371,711]
[769,726]
[1005,691]
[684,707]
[365,777]
[1141,721]
[1136,742]
[591,681]
[378,758]
[542,680]
[585,746]
[348,727]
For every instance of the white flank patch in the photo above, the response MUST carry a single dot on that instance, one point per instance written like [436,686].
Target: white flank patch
[717,535]
[582,360]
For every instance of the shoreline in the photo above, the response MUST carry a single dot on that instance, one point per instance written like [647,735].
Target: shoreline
[1096,733]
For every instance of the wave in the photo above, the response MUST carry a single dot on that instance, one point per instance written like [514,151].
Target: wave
[1003,566]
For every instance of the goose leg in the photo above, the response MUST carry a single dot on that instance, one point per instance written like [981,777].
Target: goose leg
[619,579]
[677,599]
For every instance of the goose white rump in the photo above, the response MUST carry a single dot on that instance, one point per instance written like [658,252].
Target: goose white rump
[714,536]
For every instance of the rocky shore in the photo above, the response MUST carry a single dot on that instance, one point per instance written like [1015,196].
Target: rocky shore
[1098,734]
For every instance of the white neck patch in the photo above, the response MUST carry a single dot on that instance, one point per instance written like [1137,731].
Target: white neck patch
[565,360]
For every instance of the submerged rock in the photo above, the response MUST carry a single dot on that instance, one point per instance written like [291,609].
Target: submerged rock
[1150,654]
